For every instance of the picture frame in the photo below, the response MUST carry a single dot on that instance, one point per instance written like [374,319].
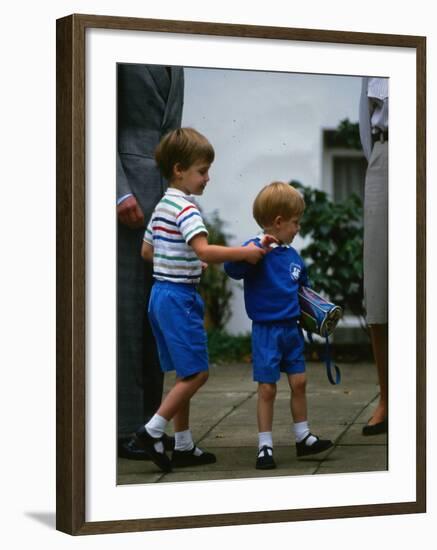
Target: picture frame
[71,298]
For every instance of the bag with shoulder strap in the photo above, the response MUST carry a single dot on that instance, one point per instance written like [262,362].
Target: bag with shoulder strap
[319,316]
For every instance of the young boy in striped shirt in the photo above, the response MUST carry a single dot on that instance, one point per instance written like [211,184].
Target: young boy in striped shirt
[176,241]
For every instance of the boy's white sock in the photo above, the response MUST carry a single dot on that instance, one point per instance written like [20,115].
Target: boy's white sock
[301,430]
[265,438]
[184,442]
[156,428]
[156,425]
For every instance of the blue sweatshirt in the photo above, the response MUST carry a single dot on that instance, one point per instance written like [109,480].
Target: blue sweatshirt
[271,286]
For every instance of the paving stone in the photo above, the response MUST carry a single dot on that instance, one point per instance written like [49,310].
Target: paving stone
[366,413]
[210,407]
[224,436]
[353,436]
[133,467]
[140,477]
[355,458]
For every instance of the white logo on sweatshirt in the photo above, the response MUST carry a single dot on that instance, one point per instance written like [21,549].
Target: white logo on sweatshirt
[295,270]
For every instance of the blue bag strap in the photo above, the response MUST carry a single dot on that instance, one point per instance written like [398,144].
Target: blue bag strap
[328,364]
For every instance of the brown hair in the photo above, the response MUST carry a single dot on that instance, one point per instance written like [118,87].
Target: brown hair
[183,146]
[277,199]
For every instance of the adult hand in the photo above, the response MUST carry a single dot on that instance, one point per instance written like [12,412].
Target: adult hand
[129,213]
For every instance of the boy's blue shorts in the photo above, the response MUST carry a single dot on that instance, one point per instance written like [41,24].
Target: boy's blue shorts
[176,313]
[276,348]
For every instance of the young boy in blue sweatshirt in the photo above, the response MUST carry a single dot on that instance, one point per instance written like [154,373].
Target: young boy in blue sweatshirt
[271,300]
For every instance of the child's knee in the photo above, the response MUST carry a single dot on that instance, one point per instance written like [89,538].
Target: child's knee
[202,377]
[298,384]
[197,379]
[267,392]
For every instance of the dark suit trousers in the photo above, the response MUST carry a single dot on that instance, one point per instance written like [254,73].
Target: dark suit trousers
[140,380]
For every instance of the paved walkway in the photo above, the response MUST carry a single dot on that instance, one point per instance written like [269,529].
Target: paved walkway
[223,420]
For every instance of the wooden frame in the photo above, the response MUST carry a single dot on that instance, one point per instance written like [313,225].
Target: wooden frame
[71,246]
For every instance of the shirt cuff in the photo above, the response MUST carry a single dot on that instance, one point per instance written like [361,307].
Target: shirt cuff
[124,197]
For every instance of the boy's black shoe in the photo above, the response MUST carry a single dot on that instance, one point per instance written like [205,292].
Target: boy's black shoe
[148,443]
[168,441]
[264,460]
[181,459]
[320,445]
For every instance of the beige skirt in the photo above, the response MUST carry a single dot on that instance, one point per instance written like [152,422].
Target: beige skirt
[376,236]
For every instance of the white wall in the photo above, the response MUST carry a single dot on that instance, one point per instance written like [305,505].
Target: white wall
[28,275]
[264,126]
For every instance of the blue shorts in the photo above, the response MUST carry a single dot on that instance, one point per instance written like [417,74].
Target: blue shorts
[276,348]
[176,313]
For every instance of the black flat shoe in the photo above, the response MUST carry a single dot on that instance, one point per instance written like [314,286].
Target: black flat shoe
[148,442]
[132,449]
[264,460]
[181,459]
[168,441]
[320,445]
[376,429]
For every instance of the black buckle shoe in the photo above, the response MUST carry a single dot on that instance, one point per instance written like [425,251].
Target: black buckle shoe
[181,459]
[264,460]
[168,442]
[148,443]
[320,445]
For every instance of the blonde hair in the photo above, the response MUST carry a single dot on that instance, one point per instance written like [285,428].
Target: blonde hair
[183,146]
[277,199]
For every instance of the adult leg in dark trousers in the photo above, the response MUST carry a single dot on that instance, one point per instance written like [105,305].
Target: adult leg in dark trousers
[140,380]
[149,104]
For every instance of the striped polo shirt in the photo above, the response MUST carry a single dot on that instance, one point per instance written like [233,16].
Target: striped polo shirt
[174,222]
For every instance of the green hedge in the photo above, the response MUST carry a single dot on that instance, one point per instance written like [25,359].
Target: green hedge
[226,348]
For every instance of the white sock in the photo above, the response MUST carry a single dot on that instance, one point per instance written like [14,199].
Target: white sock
[301,430]
[184,442]
[265,438]
[156,428]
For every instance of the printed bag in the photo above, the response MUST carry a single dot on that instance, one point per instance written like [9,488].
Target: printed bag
[317,314]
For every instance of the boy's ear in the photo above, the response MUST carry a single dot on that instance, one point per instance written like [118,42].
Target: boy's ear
[177,169]
[277,221]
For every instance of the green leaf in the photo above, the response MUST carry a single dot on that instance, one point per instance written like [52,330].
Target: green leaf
[334,255]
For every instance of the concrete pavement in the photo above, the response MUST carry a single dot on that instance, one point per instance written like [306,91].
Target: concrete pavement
[223,421]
